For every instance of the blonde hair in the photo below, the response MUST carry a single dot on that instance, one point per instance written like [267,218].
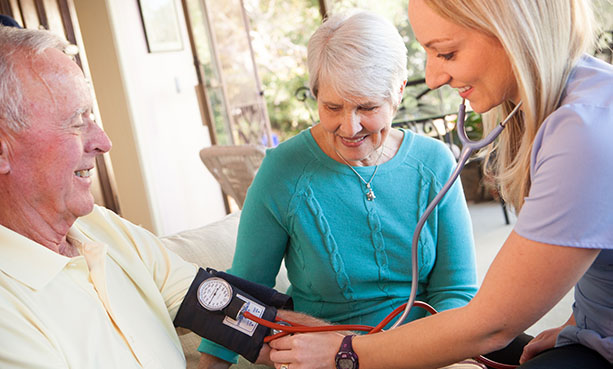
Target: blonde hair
[358,54]
[544,40]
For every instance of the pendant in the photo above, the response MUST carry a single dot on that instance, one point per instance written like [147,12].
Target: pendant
[370,195]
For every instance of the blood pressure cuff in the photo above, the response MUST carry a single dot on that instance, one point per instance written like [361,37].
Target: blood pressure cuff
[242,336]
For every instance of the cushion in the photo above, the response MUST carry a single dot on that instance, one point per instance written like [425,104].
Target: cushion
[209,246]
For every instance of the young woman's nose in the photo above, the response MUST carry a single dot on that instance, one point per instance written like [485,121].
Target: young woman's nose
[435,75]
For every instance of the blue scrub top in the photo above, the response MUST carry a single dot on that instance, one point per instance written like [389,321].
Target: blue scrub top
[570,203]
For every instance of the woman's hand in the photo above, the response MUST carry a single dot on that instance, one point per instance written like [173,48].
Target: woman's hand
[545,340]
[306,351]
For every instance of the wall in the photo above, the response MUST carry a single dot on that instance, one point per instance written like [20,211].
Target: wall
[149,110]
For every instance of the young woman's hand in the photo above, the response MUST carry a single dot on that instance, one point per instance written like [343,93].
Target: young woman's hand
[306,351]
[545,340]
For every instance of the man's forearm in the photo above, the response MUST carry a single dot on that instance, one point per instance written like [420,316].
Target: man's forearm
[304,319]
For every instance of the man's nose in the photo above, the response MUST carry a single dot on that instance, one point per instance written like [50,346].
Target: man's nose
[97,141]
[435,75]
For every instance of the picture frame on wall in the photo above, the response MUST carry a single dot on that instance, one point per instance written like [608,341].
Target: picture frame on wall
[161,25]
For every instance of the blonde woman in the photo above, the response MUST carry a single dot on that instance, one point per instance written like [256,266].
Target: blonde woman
[553,165]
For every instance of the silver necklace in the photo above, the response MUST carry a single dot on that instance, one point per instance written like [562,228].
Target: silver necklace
[370,194]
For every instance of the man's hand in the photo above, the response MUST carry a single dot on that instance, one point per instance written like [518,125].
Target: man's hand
[212,362]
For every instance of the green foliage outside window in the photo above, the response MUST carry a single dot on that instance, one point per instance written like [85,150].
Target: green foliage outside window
[280,30]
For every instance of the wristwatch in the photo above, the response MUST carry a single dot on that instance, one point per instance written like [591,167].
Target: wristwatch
[346,358]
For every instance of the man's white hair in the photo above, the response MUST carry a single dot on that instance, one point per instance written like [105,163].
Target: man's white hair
[19,42]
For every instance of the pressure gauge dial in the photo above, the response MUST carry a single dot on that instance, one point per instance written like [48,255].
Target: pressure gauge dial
[214,294]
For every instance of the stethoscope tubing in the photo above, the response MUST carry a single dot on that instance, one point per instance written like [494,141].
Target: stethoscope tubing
[468,147]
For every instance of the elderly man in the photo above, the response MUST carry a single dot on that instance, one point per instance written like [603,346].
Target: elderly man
[80,287]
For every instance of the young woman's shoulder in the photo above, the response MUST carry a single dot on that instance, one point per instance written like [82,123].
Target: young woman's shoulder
[590,84]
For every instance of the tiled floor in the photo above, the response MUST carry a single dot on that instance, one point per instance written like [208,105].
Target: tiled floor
[490,233]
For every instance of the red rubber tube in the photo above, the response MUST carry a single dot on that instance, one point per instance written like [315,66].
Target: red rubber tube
[299,328]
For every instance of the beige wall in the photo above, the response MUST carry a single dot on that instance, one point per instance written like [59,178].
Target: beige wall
[149,109]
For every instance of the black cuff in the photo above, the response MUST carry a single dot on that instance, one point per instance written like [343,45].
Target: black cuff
[242,336]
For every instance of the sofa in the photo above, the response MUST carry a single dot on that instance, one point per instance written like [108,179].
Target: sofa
[211,246]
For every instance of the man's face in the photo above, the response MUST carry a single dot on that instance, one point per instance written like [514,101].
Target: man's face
[51,161]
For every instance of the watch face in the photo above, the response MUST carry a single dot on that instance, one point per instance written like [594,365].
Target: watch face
[345,363]
[214,293]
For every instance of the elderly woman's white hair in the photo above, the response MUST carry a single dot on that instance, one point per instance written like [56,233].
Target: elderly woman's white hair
[15,41]
[358,54]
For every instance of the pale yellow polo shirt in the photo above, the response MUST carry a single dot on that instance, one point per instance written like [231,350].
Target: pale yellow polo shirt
[110,307]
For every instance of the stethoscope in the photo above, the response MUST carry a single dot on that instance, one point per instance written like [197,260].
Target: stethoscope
[468,147]
[283,327]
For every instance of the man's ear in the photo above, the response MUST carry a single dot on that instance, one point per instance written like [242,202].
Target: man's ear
[5,165]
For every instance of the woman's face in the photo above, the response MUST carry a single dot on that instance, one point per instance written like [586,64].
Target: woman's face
[468,60]
[354,127]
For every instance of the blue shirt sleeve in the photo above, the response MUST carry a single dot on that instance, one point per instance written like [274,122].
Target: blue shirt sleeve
[571,173]
[211,348]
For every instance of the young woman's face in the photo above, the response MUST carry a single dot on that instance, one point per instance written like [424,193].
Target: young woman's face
[470,61]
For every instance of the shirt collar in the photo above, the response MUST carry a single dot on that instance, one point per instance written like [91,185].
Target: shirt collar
[28,261]
[34,264]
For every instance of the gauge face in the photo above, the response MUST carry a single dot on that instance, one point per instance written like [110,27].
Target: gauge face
[214,293]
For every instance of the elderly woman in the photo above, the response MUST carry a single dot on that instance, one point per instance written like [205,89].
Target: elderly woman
[340,201]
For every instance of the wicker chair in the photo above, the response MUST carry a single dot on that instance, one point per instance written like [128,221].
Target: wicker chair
[234,167]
